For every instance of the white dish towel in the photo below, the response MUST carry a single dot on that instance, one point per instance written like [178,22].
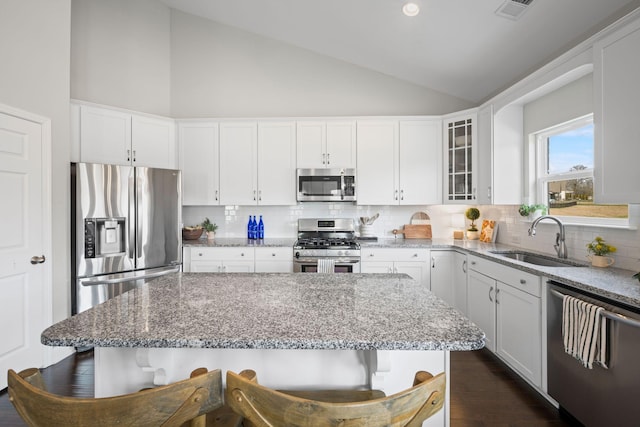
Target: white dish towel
[326,265]
[584,331]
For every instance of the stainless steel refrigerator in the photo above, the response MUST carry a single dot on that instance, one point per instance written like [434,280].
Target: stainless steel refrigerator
[125,229]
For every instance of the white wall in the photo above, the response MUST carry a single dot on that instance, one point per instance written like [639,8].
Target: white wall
[220,71]
[34,47]
[120,54]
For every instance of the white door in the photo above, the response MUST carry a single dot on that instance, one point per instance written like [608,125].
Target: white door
[277,163]
[377,149]
[481,291]
[420,162]
[238,163]
[23,227]
[341,144]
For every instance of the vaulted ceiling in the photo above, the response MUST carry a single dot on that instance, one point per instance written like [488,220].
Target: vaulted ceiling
[459,47]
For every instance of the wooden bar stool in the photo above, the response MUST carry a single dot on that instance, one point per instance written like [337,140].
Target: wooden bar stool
[184,402]
[264,407]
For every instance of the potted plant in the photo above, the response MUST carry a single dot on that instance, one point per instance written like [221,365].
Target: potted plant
[472,214]
[597,250]
[533,211]
[210,228]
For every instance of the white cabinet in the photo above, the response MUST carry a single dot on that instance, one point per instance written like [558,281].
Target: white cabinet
[273,260]
[238,163]
[616,112]
[505,303]
[199,159]
[121,138]
[460,158]
[414,262]
[399,162]
[326,144]
[484,170]
[219,260]
[449,277]
[276,163]
[257,163]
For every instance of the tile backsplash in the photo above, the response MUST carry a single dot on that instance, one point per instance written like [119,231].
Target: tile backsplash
[282,221]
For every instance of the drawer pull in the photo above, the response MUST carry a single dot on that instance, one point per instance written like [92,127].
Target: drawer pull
[242,254]
[473,263]
[273,254]
[522,281]
[200,254]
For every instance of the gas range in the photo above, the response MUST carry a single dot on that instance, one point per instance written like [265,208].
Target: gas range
[326,238]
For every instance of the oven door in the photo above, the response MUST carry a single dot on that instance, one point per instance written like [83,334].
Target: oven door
[342,265]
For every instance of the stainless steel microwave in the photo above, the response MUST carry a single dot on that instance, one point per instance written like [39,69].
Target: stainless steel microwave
[326,185]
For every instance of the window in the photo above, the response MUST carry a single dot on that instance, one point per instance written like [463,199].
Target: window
[565,175]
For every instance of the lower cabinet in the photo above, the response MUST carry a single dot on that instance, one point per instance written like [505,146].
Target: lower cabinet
[243,259]
[414,262]
[505,303]
[274,260]
[449,277]
[219,260]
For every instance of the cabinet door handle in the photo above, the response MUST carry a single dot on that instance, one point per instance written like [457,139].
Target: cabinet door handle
[128,155]
[433,261]
[134,155]
[328,159]
[216,195]
[464,266]
[219,269]
[395,270]
[324,161]
[473,192]
[259,195]
[401,194]
[395,196]
[224,268]
[489,192]
[497,292]
[254,195]
[490,290]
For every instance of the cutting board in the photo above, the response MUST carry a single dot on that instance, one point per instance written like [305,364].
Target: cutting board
[415,231]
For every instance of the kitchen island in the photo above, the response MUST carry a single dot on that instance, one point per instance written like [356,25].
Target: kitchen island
[294,330]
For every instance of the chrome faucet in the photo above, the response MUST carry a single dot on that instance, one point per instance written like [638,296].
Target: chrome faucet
[560,246]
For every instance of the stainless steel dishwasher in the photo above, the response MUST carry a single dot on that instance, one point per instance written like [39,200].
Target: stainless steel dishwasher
[598,396]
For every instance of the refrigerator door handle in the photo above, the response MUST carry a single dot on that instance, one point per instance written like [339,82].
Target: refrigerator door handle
[130,278]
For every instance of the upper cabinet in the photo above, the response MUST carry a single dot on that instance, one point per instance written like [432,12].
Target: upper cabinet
[199,159]
[276,163]
[121,138]
[257,163]
[326,144]
[616,112]
[460,159]
[399,162]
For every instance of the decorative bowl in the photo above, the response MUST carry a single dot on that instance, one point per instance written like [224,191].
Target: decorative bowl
[192,234]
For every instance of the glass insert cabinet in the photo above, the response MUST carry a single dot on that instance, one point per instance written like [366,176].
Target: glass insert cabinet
[460,140]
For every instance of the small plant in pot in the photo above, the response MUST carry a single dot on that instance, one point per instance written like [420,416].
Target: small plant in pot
[532,210]
[598,249]
[210,228]
[472,214]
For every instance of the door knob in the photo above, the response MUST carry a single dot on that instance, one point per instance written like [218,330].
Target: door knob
[38,259]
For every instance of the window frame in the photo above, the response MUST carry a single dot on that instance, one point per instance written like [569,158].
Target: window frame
[543,177]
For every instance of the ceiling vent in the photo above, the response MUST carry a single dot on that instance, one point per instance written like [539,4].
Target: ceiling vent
[513,9]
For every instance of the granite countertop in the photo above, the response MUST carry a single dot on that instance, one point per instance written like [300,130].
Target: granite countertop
[273,311]
[613,283]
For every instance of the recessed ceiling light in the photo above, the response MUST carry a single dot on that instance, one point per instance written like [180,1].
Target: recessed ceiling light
[410,9]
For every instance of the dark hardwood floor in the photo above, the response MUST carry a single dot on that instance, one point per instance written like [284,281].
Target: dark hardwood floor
[484,392]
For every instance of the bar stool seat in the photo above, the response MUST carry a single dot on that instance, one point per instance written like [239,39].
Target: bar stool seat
[184,402]
[264,407]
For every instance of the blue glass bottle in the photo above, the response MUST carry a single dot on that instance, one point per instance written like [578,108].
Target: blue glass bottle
[249,228]
[254,228]
[261,229]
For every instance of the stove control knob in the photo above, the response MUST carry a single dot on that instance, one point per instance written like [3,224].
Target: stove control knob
[297,254]
[340,253]
[347,253]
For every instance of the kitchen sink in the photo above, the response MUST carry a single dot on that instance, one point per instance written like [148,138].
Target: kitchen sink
[536,259]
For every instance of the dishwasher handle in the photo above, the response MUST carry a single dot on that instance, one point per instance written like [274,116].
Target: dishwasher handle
[606,313]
